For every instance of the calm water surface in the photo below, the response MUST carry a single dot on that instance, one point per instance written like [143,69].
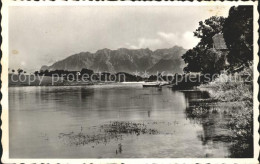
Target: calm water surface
[37,116]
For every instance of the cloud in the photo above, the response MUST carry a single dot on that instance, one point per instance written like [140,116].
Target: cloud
[168,36]
[142,42]
[189,40]
[76,31]
[165,40]
[186,39]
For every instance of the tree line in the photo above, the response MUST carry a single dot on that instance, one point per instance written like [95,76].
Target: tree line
[237,31]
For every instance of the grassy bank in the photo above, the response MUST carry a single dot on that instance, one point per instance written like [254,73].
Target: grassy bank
[236,90]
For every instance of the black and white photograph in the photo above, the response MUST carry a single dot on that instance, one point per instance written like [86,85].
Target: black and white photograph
[130,80]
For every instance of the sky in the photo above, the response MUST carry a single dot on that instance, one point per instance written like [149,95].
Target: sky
[43,35]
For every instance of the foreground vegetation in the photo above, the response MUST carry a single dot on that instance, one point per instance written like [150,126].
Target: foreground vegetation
[238,92]
[227,44]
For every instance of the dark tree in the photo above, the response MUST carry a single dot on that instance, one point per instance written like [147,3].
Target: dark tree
[212,61]
[19,71]
[238,34]
[46,72]
[208,29]
[86,71]
[36,73]
[193,59]
[203,60]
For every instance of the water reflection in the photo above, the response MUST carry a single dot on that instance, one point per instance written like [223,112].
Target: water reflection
[149,113]
[215,124]
[183,131]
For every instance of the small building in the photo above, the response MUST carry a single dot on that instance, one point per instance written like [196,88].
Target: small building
[219,44]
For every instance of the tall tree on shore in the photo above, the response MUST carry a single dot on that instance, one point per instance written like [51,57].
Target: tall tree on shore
[193,59]
[238,34]
[201,58]
[207,29]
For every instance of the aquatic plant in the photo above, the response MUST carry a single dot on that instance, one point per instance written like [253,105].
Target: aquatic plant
[107,132]
[121,127]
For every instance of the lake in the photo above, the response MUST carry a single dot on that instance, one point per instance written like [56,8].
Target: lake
[52,122]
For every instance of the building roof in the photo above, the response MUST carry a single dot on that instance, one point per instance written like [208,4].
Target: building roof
[219,42]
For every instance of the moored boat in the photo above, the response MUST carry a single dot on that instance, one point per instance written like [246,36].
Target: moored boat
[151,85]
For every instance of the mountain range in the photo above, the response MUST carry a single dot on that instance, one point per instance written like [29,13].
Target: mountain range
[124,60]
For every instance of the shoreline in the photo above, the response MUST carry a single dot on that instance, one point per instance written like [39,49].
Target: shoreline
[78,84]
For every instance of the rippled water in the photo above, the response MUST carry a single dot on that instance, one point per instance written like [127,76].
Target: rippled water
[38,115]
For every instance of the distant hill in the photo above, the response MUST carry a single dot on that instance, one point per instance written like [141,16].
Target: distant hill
[124,60]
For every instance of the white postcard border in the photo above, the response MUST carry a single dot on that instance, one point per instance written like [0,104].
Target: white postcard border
[4,89]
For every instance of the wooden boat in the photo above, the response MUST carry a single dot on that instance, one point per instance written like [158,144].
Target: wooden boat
[151,85]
